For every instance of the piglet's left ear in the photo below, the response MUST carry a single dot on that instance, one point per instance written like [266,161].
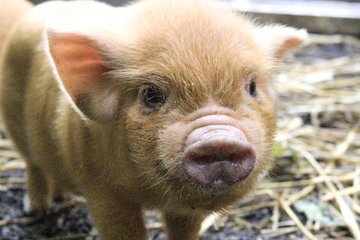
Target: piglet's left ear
[277,40]
[80,68]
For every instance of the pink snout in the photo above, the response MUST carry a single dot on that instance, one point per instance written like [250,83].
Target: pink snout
[218,155]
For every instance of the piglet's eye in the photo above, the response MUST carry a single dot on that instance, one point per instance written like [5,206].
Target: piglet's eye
[251,85]
[252,89]
[153,96]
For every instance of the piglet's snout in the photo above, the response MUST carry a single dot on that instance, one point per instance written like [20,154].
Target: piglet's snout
[218,155]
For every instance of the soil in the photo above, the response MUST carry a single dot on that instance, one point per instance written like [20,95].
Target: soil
[75,223]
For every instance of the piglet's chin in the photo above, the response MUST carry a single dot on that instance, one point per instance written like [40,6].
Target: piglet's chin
[218,156]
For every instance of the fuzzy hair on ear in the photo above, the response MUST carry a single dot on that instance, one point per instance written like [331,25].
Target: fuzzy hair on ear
[80,68]
[277,40]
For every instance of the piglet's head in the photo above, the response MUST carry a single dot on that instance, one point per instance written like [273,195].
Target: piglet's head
[189,88]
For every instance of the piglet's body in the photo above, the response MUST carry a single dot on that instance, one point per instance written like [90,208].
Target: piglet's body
[162,104]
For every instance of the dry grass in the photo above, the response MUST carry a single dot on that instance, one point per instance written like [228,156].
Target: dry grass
[313,191]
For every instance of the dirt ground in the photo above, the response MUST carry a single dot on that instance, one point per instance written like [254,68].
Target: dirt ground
[303,173]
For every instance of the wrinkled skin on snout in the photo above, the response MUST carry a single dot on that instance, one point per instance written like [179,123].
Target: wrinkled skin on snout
[216,153]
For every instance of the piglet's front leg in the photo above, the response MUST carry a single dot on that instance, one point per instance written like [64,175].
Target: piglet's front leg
[117,218]
[182,227]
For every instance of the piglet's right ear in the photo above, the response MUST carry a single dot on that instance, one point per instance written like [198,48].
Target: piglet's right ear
[278,40]
[80,68]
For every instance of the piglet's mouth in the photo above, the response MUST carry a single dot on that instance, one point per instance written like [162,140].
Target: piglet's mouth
[218,156]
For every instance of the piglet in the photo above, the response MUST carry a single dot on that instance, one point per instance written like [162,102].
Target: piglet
[162,104]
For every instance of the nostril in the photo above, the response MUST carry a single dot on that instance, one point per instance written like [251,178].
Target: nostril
[201,159]
[233,157]
[219,162]
[212,157]
[220,149]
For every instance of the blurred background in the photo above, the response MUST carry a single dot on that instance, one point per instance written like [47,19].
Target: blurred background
[320,16]
[113,2]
